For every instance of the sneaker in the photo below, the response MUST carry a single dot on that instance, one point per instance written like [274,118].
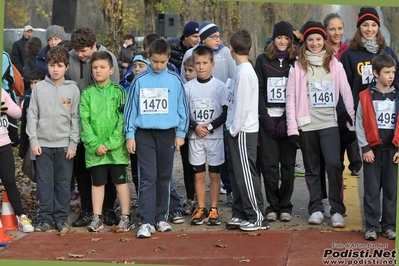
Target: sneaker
[63,227]
[96,223]
[230,199]
[354,173]
[199,216]
[390,234]
[234,223]
[188,207]
[213,218]
[327,207]
[271,216]
[316,218]
[24,224]
[117,206]
[222,190]
[126,223]
[163,226]
[176,217]
[84,219]
[110,218]
[208,186]
[337,220]
[42,227]
[145,230]
[370,235]
[285,217]
[299,171]
[248,226]
[75,201]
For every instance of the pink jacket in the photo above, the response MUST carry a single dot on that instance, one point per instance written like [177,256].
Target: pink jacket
[14,111]
[297,99]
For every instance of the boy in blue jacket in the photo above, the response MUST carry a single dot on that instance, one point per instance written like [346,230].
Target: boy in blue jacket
[156,122]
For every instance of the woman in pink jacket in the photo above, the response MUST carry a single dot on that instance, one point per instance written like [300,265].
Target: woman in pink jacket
[7,166]
[315,83]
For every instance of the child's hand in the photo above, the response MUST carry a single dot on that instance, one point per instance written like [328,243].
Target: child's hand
[4,107]
[101,150]
[131,146]
[70,154]
[368,157]
[36,150]
[201,130]
[178,143]
[395,157]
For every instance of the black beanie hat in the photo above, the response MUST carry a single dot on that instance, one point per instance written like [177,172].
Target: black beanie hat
[367,13]
[282,28]
[311,27]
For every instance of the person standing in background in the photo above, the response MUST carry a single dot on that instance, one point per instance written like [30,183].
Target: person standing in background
[129,49]
[18,52]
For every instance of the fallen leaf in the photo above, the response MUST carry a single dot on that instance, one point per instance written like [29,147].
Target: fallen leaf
[182,235]
[91,252]
[220,245]
[124,239]
[75,255]
[115,229]
[161,247]
[62,233]
[60,258]
[154,237]
[96,239]
[253,234]
[244,260]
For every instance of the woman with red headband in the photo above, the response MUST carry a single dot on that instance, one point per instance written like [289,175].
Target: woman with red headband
[314,84]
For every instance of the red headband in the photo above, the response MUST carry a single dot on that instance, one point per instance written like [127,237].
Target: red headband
[314,28]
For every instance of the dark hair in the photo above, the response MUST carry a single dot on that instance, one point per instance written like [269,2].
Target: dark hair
[202,51]
[148,39]
[102,55]
[57,54]
[128,36]
[241,42]
[82,37]
[382,60]
[159,46]
[271,50]
[38,73]
[189,62]
[356,43]
[66,44]
[33,47]
[329,17]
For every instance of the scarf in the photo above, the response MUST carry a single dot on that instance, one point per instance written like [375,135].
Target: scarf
[281,54]
[371,45]
[315,59]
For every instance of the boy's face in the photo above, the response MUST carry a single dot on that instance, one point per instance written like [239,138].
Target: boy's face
[386,76]
[57,71]
[203,66]
[33,83]
[138,67]
[158,62]
[84,54]
[101,71]
[213,41]
[189,73]
[53,41]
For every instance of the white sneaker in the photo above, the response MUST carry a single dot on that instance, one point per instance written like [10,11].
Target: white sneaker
[327,207]
[337,220]
[163,226]
[316,218]
[145,230]
[271,216]
[24,224]
[285,217]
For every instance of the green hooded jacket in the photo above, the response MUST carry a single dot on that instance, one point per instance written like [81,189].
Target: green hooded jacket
[101,116]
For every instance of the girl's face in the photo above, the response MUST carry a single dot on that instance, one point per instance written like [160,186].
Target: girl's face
[315,43]
[335,30]
[369,29]
[282,42]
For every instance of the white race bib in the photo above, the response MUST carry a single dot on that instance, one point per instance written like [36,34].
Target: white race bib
[367,74]
[385,114]
[276,88]
[202,110]
[3,123]
[154,101]
[321,94]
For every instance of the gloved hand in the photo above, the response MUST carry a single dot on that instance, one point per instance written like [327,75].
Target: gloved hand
[281,129]
[4,108]
[342,119]
[348,136]
[269,125]
[295,141]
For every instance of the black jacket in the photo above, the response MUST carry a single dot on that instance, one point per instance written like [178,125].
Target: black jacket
[178,51]
[18,54]
[126,54]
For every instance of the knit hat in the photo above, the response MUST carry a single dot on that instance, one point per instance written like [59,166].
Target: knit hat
[190,28]
[282,28]
[28,27]
[367,13]
[206,29]
[55,31]
[312,27]
[139,57]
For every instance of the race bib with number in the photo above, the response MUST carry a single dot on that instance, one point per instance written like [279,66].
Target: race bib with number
[367,74]
[154,101]
[3,123]
[385,114]
[202,110]
[276,90]
[321,94]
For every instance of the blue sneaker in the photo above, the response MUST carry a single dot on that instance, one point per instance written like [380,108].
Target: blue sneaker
[145,231]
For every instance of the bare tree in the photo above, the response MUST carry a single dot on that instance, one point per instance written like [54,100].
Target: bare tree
[391,21]
[113,14]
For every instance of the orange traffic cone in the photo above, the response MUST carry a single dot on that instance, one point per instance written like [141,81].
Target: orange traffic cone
[3,236]
[8,215]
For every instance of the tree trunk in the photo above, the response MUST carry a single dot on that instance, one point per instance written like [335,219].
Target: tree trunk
[113,14]
[391,21]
